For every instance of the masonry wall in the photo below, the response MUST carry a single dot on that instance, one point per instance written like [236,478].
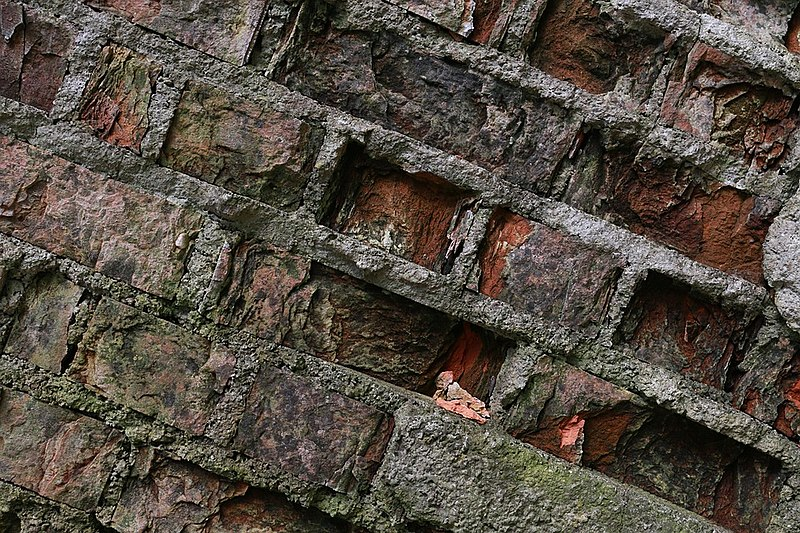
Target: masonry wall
[239,241]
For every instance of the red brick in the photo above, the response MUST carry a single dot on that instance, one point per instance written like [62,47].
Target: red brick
[115,229]
[793,34]
[317,435]
[541,271]
[33,55]
[152,366]
[241,145]
[59,454]
[118,95]
[475,360]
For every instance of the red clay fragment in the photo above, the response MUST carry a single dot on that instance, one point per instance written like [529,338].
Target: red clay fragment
[455,407]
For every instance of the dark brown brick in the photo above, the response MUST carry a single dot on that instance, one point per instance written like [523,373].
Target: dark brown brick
[118,95]
[57,453]
[241,145]
[33,55]
[317,435]
[117,230]
[152,366]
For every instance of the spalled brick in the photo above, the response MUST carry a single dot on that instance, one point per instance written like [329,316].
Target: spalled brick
[669,326]
[117,97]
[419,217]
[223,29]
[544,272]
[241,145]
[57,453]
[33,55]
[475,360]
[716,98]
[317,435]
[116,229]
[152,366]
[166,495]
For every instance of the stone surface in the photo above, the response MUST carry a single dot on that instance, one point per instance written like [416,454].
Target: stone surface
[61,455]
[240,145]
[117,230]
[152,366]
[544,272]
[224,29]
[455,15]
[117,97]
[314,434]
[33,55]
[781,257]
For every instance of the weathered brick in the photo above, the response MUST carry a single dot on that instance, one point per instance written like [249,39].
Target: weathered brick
[54,452]
[117,230]
[118,95]
[317,435]
[673,328]
[792,39]
[765,20]
[715,97]
[475,359]
[152,366]
[456,16]
[41,332]
[241,145]
[33,55]
[166,495]
[223,29]
[419,217]
[544,272]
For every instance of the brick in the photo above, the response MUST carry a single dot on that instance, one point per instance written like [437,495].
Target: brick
[549,274]
[456,16]
[241,145]
[669,326]
[169,495]
[475,359]
[41,332]
[765,20]
[383,78]
[715,97]
[152,366]
[317,435]
[419,216]
[224,29]
[117,97]
[33,55]
[117,230]
[280,20]
[57,453]
[593,50]
[792,39]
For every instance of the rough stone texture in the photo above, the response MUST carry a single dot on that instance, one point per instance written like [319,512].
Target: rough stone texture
[539,270]
[224,29]
[317,435]
[59,454]
[781,257]
[33,55]
[419,217]
[455,15]
[765,20]
[240,145]
[152,366]
[120,231]
[118,95]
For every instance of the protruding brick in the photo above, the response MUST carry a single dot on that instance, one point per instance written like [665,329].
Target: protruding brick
[33,55]
[317,435]
[117,230]
[241,145]
[118,95]
[541,271]
[152,366]
[57,453]
[225,29]
[419,217]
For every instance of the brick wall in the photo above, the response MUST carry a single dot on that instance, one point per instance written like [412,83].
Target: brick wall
[239,241]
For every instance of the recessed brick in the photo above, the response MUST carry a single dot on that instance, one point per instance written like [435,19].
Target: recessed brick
[117,230]
[225,29]
[475,359]
[152,366]
[33,55]
[419,217]
[542,271]
[117,97]
[317,435]
[241,145]
[57,453]
[669,326]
